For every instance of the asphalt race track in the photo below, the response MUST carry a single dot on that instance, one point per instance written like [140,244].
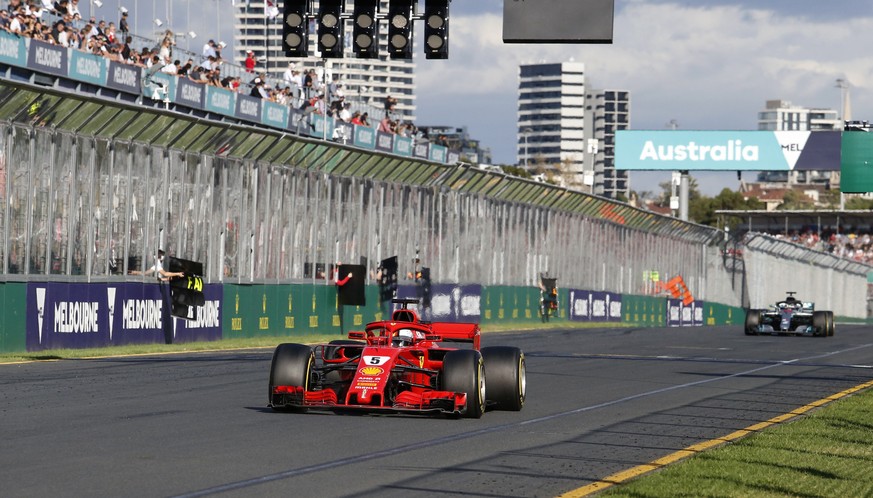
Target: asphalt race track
[599,401]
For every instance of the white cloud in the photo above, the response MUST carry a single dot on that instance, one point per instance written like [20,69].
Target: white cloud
[708,67]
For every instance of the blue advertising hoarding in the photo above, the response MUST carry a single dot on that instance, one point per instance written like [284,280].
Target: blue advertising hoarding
[384,142]
[438,153]
[220,101]
[190,94]
[13,50]
[727,150]
[421,150]
[47,58]
[275,114]
[591,306]
[448,302]
[680,315]
[248,108]
[82,315]
[124,77]
[151,80]
[365,137]
[88,68]
[402,146]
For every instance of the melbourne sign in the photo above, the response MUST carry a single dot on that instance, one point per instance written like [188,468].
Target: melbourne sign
[727,150]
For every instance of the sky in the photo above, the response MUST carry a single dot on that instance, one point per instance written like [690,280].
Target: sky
[703,64]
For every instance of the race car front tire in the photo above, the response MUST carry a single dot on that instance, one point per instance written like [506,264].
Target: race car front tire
[820,323]
[291,366]
[505,371]
[830,325]
[464,372]
[753,319]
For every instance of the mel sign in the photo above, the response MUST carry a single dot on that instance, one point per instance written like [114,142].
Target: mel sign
[727,150]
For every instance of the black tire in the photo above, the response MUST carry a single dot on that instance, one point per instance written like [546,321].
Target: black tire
[291,366]
[464,372]
[753,319]
[330,351]
[830,323]
[507,383]
[820,323]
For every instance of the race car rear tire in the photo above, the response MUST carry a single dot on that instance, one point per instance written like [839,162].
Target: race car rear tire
[464,372]
[291,366]
[505,371]
[820,323]
[830,323]
[753,319]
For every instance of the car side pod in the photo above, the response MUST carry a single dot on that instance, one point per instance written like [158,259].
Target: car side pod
[507,382]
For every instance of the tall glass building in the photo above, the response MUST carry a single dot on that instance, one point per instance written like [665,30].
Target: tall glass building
[567,131]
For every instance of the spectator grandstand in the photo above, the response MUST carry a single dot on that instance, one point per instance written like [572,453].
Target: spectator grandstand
[84,54]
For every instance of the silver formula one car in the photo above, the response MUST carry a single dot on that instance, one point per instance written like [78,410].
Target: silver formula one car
[790,316]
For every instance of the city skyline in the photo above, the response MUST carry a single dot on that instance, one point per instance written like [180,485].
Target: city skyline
[703,67]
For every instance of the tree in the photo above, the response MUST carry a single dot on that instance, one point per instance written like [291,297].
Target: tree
[860,203]
[703,209]
[795,201]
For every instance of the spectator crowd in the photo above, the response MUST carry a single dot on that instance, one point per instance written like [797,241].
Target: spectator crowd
[854,246]
[61,23]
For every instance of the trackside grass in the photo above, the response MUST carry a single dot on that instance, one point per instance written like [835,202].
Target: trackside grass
[827,453]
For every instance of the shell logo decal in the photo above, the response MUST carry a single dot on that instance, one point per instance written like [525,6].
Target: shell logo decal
[372,371]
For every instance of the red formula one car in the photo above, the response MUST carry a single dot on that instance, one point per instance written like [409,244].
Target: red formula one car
[399,366]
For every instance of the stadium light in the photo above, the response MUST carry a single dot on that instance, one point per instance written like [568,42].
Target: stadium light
[330,28]
[365,33]
[295,28]
[400,29]
[436,29]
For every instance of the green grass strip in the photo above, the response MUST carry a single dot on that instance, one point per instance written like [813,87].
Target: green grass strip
[822,452]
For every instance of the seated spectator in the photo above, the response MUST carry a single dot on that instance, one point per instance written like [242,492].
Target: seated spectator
[16,25]
[386,125]
[258,90]
[230,82]
[346,114]
[4,20]
[171,68]
[73,8]
[356,119]
[111,35]
[60,7]
[185,68]
[196,75]
[125,49]
[209,50]
[365,119]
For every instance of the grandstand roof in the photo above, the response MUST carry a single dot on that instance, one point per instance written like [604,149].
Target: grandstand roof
[851,221]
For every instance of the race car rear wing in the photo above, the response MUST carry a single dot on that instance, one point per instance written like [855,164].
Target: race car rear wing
[457,332]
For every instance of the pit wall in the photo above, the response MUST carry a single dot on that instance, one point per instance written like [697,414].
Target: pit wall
[52,315]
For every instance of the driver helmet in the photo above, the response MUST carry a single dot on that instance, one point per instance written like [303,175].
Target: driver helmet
[403,337]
